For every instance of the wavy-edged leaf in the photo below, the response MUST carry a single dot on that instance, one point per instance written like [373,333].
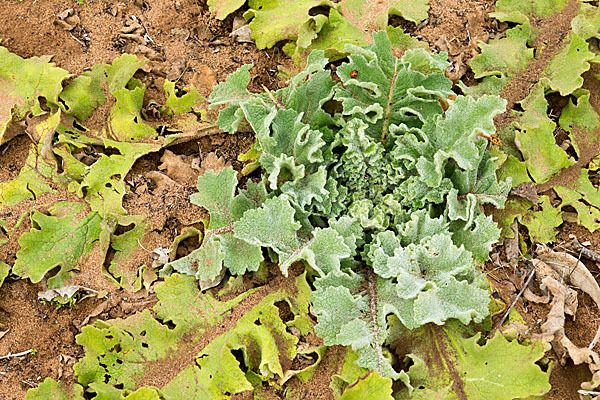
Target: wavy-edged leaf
[51,389]
[126,349]
[448,364]
[22,83]
[35,176]
[371,386]
[389,91]
[86,92]
[61,239]
[275,20]
[104,184]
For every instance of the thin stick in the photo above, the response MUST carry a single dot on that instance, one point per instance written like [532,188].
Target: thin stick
[77,40]
[584,251]
[588,392]
[503,320]
[11,355]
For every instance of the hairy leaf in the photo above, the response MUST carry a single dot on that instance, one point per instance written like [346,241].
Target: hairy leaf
[382,199]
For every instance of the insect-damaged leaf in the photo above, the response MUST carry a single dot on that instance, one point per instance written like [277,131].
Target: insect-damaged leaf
[22,83]
[124,246]
[185,103]
[61,239]
[125,119]
[466,369]
[104,184]
[40,165]
[87,92]
[275,20]
[141,338]
[125,350]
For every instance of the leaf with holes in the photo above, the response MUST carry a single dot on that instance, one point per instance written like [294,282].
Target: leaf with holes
[23,82]
[125,349]
[84,94]
[104,184]
[464,368]
[276,20]
[381,199]
[125,121]
[61,239]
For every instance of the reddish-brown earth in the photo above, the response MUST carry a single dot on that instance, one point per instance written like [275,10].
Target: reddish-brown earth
[192,46]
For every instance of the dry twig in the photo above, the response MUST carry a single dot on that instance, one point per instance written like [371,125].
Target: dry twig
[11,355]
[584,251]
[505,316]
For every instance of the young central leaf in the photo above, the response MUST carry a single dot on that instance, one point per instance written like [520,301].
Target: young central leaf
[376,181]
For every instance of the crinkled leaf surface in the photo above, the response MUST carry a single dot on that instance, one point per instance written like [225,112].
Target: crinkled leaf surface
[385,89]
[216,193]
[349,316]
[273,226]
[382,201]
[61,239]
